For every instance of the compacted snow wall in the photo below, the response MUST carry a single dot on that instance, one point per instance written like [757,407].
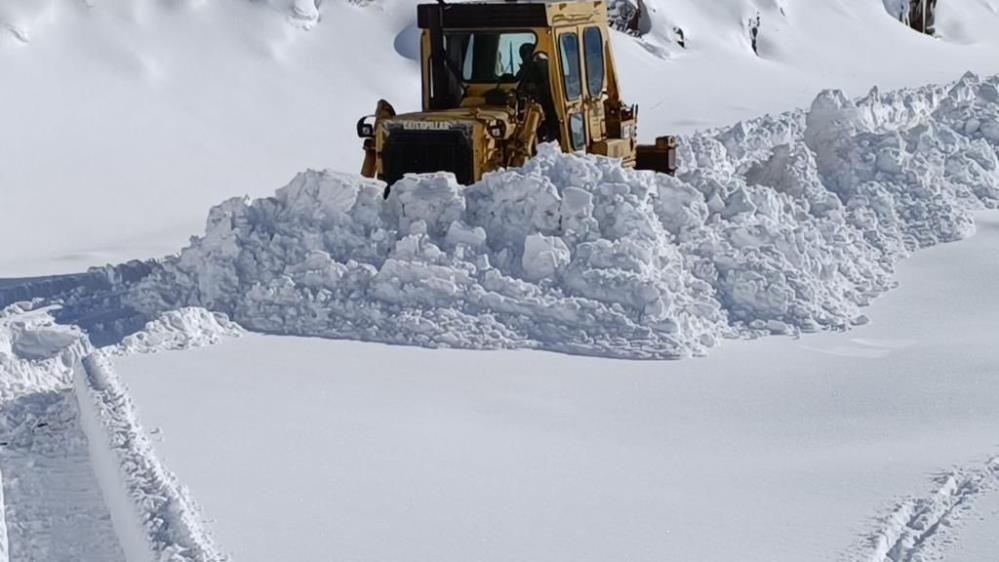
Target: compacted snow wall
[152,516]
[36,355]
[152,513]
[4,547]
[783,224]
[125,517]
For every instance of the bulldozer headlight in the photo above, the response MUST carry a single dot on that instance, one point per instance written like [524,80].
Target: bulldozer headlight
[366,128]
[497,130]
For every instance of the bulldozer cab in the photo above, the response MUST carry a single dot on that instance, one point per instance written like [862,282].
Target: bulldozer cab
[499,77]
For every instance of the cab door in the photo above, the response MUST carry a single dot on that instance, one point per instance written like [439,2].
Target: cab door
[575,136]
[595,83]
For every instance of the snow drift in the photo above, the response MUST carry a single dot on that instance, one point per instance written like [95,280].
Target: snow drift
[178,330]
[36,355]
[777,225]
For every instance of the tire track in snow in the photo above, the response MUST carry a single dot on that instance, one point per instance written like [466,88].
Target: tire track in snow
[54,507]
[920,528]
[80,477]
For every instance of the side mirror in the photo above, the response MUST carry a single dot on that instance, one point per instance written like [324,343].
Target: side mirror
[366,127]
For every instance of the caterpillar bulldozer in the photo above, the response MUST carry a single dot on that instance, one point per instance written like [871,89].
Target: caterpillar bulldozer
[499,77]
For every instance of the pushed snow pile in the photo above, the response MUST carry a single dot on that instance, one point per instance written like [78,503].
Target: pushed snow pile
[782,224]
[36,354]
[180,329]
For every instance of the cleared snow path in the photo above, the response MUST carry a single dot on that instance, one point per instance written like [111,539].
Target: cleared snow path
[79,480]
[54,508]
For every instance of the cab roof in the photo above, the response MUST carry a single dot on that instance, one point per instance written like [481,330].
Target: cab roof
[507,14]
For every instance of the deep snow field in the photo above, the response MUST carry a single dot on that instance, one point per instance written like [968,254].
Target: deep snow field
[138,422]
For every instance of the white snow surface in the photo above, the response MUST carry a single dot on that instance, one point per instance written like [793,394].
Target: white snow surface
[783,224]
[125,119]
[978,538]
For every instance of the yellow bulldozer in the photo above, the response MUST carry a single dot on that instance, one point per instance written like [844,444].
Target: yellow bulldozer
[498,78]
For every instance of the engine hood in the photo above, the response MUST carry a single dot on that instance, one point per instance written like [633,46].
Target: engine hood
[453,119]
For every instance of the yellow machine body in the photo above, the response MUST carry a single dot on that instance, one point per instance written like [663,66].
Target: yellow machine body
[499,77]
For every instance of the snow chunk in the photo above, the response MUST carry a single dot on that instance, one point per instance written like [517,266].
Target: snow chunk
[36,354]
[305,12]
[543,256]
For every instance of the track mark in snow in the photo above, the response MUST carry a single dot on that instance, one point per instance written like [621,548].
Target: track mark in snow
[884,344]
[15,32]
[864,348]
[920,528]
[72,453]
[54,508]
[856,351]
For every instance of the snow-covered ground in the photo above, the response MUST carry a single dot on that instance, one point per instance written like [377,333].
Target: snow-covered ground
[123,120]
[979,539]
[829,447]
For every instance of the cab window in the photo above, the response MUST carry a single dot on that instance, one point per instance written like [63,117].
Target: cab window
[569,50]
[577,131]
[489,57]
[593,46]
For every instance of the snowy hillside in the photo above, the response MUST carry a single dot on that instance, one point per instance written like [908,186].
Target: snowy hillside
[131,117]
